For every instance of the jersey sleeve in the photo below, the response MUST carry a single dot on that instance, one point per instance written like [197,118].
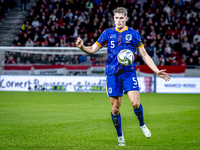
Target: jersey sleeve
[102,39]
[138,42]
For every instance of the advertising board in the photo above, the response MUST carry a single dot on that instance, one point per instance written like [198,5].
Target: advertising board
[63,83]
[178,85]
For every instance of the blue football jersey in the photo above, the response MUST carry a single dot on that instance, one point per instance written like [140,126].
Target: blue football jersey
[116,41]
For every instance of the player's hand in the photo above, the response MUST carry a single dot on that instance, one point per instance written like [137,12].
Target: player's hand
[164,75]
[79,42]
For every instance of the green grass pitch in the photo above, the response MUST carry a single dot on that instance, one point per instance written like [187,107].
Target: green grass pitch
[67,121]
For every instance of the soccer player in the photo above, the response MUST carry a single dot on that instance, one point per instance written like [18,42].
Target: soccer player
[122,79]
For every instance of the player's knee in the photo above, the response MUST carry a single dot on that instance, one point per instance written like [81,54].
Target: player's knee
[135,104]
[115,111]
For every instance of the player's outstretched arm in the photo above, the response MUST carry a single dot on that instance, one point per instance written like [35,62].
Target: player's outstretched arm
[147,59]
[164,75]
[87,49]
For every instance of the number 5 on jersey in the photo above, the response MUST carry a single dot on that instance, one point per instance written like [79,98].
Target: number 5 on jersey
[112,44]
[134,80]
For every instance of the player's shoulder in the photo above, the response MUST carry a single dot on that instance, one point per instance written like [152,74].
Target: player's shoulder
[133,30]
[109,29]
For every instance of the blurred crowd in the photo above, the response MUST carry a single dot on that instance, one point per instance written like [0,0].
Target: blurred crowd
[5,5]
[170,29]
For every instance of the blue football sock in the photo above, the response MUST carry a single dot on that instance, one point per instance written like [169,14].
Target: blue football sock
[117,123]
[139,114]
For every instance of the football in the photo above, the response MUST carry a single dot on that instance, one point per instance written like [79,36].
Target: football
[125,57]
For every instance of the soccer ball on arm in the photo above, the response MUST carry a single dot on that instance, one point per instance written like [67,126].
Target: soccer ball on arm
[125,57]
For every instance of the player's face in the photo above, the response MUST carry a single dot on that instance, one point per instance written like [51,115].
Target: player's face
[148,83]
[120,21]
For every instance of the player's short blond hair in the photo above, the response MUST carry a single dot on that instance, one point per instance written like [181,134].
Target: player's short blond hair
[120,10]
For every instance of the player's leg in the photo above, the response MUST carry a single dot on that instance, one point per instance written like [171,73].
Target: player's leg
[116,118]
[115,92]
[115,114]
[131,87]
[134,97]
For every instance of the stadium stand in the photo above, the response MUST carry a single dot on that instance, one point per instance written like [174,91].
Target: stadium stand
[171,27]
[12,17]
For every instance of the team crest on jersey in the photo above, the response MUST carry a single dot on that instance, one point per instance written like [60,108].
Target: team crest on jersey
[110,90]
[128,37]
